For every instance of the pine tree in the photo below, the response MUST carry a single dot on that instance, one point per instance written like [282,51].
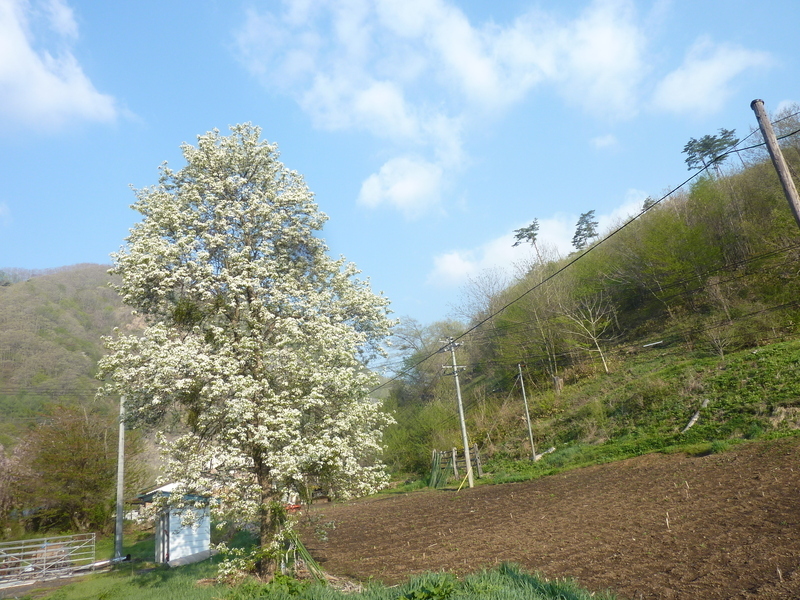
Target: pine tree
[528,234]
[585,230]
[709,150]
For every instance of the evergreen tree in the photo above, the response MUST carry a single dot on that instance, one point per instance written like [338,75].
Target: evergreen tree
[707,151]
[585,230]
[528,234]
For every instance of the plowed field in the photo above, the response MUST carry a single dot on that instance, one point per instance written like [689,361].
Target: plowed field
[658,526]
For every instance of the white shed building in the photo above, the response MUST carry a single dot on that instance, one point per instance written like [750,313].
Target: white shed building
[176,543]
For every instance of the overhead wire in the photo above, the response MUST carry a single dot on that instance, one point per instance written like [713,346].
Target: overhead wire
[499,330]
[82,393]
[583,254]
[569,264]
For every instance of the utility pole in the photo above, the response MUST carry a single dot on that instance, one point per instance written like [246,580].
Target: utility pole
[120,480]
[527,412]
[451,346]
[789,189]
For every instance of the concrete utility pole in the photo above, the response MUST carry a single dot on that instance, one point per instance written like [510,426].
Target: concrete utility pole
[120,480]
[789,189]
[451,346]
[527,413]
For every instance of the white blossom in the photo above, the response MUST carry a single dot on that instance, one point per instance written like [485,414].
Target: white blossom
[256,338]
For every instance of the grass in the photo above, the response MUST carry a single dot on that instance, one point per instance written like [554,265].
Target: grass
[753,394]
[142,580]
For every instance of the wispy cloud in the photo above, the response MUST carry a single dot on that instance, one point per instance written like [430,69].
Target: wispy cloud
[784,105]
[417,73]
[61,18]
[705,80]
[44,88]
[603,60]
[5,215]
[631,206]
[604,141]
[455,267]
[411,185]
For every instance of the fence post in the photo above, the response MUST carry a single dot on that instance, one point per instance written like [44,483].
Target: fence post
[478,465]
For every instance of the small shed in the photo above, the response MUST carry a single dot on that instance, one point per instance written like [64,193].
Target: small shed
[178,544]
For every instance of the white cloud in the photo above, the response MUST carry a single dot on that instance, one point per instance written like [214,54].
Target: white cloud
[419,73]
[785,105]
[456,267]
[704,82]
[603,58]
[631,207]
[604,141]
[41,88]
[554,238]
[374,106]
[61,18]
[452,269]
[557,231]
[427,52]
[5,214]
[411,185]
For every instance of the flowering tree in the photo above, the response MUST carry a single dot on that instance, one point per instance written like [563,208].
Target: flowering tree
[256,339]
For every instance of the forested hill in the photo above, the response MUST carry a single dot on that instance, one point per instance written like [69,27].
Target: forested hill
[51,325]
[694,304]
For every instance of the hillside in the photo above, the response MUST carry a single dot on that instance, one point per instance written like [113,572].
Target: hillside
[51,327]
[693,305]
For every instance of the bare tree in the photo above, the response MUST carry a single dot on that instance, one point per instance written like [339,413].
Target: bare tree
[480,295]
[592,318]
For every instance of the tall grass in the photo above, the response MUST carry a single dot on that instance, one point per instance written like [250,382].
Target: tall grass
[506,582]
[752,394]
[141,579]
[125,583]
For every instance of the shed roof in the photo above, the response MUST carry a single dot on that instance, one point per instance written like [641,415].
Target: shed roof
[166,490]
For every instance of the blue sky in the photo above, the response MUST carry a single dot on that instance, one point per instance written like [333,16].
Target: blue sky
[428,129]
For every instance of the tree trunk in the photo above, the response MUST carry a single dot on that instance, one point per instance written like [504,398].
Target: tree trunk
[268,523]
[602,356]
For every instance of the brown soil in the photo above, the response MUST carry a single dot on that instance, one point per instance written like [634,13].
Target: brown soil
[657,526]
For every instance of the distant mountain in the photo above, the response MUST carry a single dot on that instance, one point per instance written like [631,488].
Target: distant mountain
[51,325]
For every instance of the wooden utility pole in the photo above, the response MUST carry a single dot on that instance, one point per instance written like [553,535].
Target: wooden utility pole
[527,412]
[451,346]
[789,189]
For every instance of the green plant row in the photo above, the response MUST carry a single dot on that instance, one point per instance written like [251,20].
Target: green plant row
[506,582]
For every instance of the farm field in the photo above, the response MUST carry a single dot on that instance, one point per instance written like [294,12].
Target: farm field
[656,526]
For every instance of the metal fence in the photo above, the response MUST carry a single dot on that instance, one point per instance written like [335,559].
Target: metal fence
[45,558]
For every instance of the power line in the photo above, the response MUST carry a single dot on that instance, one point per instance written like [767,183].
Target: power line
[580,256]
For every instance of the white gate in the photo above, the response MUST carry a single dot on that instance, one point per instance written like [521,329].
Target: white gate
[45,558]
